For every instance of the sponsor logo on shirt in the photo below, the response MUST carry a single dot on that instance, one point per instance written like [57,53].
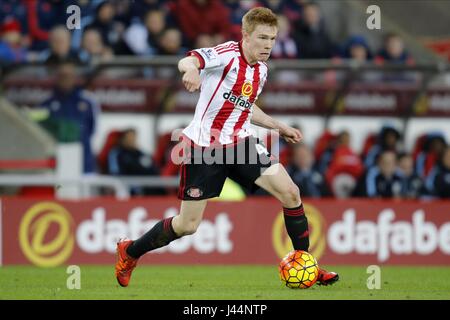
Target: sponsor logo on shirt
[237,101]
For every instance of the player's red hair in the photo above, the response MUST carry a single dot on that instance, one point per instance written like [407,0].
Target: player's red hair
[258,16]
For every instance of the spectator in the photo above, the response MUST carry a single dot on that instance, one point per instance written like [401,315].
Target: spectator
[155,24]
[438,181]
[197,17]
[73,111]
[357,49]
[13,9]
[412,184]
[141,8]
[37,14]
[433,148]
[205,41]
[277,6]
[126,159]
[142,39]
[381,181]
[394,51]
[237,10]
[87,7]
[59,51]
[93,48]
[388,140]
[169,43]
[11,43]
[292,9]
[87,11]
[123,12]
[344,167]
[49,13]
[110,30]
[313,41]
[301,170]
[285,47]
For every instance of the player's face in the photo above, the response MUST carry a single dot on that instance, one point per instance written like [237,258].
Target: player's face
[261,41]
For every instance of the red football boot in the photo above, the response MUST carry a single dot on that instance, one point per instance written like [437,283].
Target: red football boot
[326,278]
[125,264]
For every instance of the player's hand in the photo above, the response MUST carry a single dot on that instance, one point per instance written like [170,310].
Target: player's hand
[191,80]
[291,135]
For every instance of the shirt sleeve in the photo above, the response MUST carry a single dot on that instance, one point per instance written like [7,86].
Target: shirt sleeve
[208,57]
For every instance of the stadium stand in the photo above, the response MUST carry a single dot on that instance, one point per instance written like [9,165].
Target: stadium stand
[127,53]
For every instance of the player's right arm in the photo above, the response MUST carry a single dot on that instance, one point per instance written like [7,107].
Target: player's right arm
[189,67]
[200,59]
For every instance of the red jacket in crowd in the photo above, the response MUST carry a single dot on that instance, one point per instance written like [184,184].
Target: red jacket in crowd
[211,17]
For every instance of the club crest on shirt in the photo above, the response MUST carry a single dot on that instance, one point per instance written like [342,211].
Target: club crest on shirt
[247,89]
[194,192]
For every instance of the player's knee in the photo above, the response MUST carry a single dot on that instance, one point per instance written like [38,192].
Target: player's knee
[291,194]
[189,228]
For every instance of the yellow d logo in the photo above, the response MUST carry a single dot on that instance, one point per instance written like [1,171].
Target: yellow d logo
[247,89]
[282,243]
[37,226]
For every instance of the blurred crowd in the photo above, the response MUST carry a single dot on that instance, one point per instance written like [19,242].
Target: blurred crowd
[384,168]
[331,169]
[36,30]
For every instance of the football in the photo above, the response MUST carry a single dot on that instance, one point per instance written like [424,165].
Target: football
[299,270]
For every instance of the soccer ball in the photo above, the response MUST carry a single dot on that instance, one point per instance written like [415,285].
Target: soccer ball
[299,269]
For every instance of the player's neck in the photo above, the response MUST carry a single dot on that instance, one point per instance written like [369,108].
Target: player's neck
[246,52]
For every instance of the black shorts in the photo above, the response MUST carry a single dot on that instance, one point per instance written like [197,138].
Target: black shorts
[204,169]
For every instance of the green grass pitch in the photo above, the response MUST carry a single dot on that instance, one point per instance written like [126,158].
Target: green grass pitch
[220,282]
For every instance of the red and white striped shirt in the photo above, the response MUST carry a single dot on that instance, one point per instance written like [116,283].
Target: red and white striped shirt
[229,88]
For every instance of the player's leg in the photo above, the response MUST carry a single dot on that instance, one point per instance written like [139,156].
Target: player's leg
[162,233]
[198,182]
[169,229]
[277,182]
[256,167]
[191,214]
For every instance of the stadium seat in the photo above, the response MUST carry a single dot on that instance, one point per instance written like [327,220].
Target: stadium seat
[162,155]
[418,145]
[323,142]
[371,139]
[110,142]
[440,47]
[37,192]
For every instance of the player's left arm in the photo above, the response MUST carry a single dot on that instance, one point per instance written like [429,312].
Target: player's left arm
[260,118]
